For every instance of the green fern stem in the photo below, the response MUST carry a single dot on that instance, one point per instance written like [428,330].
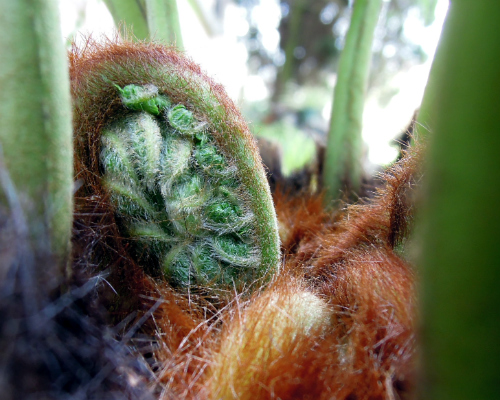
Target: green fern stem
[35,113]
[344,149]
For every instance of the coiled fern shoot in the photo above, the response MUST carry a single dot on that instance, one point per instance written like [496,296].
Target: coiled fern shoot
[165,148]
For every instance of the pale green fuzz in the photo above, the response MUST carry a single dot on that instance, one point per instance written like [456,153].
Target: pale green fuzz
[143,98]
[177,197]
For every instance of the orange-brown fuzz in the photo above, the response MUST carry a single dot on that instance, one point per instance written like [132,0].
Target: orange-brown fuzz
[365,349]
[360,346]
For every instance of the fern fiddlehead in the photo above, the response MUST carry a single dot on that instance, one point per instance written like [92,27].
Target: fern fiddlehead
[175,160]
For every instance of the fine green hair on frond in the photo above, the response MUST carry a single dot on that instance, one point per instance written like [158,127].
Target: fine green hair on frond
[179,167]
[191,221]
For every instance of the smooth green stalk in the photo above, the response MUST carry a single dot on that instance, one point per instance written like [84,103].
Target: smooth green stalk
[146,19]
[286,73]
[460,254]
[130,16]
[35,110]
[426,113]
[344,148]
[163,21]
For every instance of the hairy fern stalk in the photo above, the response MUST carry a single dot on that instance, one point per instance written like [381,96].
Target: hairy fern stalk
[168,151]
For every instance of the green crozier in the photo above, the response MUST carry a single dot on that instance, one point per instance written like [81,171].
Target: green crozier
[179,198]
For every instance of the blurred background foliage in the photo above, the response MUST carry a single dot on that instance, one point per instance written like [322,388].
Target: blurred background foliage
[278,61]
[312,36]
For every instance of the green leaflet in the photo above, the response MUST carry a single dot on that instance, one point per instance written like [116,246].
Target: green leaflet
[181,119]
[143,98]
[179,199]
